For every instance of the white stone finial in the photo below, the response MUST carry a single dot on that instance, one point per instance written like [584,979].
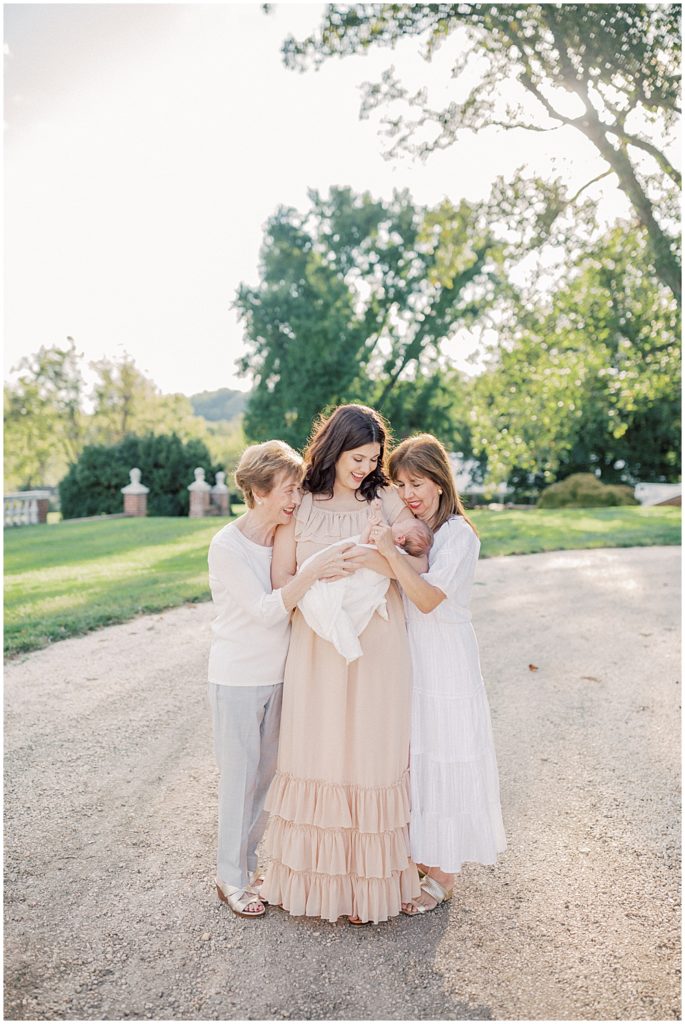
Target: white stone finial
[220,485]
[135,487]
[200,483]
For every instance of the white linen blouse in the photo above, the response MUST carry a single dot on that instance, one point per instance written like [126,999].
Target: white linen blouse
[251,629]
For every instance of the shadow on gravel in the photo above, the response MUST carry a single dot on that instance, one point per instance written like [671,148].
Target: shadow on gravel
[308,970]
[278,968]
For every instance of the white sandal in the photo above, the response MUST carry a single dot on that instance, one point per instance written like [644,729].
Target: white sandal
[239,899]
[432,888]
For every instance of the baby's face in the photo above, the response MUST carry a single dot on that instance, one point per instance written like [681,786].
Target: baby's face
[412,537]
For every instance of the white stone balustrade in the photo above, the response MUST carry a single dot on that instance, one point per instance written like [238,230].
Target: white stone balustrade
[25,508]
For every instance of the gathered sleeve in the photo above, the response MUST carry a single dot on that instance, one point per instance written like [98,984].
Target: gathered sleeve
[454,565]
[302,513]
[232,580]
[393,506]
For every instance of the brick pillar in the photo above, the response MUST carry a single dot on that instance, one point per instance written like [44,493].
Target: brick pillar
[135,496]
[199,496]
[43,504]
[220,496]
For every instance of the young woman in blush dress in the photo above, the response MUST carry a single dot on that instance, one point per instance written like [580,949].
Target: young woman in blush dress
[339,803]
[456,815]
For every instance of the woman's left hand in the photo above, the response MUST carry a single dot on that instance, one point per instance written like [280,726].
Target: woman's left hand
[358,556]
[382,537]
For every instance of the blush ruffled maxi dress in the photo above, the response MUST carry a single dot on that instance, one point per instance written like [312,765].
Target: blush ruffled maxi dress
[339,804]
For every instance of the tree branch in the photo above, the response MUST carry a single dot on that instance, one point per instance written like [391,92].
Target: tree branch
[448,295]
[521,124]
[587,184]
[666,262]
[662,160]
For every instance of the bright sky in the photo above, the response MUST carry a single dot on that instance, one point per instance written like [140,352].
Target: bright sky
[146,146]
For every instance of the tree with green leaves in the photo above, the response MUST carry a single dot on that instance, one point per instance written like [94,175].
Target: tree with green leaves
[47,427]
[588,379]
[126,401]
[355,300]
[223,404]
[31,457]
[226,442]
[93,484]
[43,415]
[621,63]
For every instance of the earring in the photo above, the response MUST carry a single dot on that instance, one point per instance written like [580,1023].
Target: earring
[439,491]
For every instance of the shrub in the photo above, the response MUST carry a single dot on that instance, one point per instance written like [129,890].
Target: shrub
[583,490]
[93,484]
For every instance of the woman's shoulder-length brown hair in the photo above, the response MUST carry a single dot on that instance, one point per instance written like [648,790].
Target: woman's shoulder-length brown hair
[424,455]
[347,427]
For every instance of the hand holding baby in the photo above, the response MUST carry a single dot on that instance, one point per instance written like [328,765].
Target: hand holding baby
[382,536]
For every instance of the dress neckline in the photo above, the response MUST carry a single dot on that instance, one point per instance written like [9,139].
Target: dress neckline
[363,507]
[342,512]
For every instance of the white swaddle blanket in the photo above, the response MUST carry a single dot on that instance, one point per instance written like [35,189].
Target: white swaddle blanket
[340,611]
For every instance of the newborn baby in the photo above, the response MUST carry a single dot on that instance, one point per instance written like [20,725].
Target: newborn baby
[340,611]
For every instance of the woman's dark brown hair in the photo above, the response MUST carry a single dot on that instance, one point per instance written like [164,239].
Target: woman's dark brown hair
[347,427]
[423,455]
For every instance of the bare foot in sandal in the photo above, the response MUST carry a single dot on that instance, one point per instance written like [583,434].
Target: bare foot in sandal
[243,902]
[436,888]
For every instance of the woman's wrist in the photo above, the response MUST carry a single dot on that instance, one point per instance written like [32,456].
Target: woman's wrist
[392,556]
[309,575]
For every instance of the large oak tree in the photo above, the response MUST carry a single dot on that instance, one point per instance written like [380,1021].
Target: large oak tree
[621,61]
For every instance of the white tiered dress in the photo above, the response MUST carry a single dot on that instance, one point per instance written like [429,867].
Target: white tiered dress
[456,814]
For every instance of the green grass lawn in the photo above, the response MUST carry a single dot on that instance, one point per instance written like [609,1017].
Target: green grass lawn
[68,578]
[525,533]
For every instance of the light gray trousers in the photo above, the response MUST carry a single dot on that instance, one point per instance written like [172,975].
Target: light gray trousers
[246,721]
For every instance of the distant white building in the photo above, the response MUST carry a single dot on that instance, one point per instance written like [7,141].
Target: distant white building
[464,471]
[659,494]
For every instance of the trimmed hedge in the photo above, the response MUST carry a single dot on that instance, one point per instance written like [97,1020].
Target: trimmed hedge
[584,490]
[93,485]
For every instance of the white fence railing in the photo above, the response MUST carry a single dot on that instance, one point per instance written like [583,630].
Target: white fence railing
[26,508]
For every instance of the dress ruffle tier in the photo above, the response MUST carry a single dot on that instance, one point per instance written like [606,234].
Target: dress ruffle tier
[456,816]
[335,805]
[332,896]
[339,849]
[452,727]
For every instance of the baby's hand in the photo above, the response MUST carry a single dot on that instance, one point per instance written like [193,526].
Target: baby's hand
[376,512]
[382,537]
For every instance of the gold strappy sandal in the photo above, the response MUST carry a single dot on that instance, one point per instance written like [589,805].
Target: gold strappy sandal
[239,899]
[432,888]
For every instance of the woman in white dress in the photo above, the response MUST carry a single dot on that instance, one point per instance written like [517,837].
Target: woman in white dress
[455,815]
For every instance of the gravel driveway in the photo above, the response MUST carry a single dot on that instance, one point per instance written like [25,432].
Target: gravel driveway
[110,796]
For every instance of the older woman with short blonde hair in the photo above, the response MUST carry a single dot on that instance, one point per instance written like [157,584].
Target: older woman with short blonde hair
[250,636]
